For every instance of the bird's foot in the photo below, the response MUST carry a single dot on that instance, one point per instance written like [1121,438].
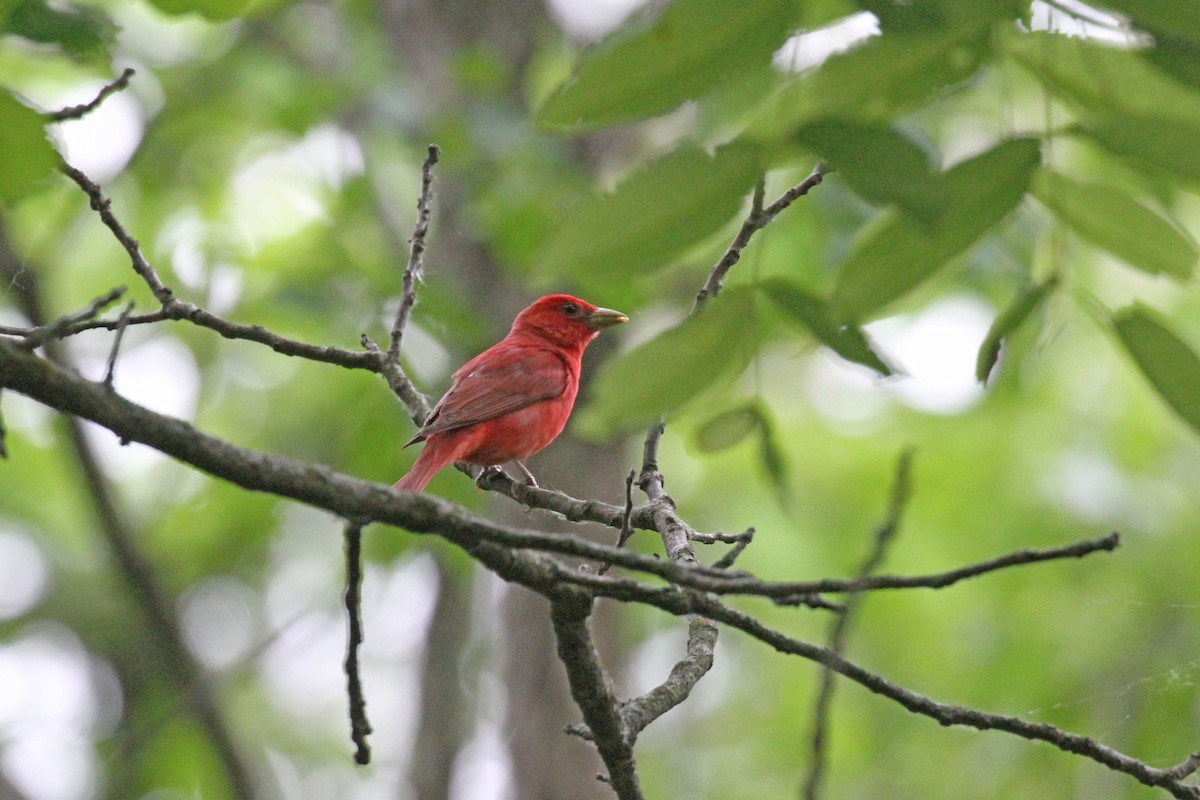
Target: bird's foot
[529,479]
[485,474]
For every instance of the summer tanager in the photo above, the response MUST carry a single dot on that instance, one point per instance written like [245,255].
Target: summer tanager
[514,398]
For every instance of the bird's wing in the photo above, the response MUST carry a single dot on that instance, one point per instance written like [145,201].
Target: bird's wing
[505,378]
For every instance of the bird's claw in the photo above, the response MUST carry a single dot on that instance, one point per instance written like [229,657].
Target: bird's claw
[529,479]
[485,474]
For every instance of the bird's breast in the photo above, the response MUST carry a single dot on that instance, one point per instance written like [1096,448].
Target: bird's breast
[518,434]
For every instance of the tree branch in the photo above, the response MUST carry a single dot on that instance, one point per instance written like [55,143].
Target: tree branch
[40,334]
[758,219]
[359,727]
[78,112]
[135,570]
[592,691]
[416,253]
[416,402]
[347,497]
[947,714]
[837,635]
[506,551]
[687,672]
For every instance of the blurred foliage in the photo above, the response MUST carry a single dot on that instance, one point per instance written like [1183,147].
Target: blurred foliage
[998,161]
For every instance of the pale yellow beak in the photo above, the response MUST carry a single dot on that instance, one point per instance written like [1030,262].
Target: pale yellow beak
[605,318]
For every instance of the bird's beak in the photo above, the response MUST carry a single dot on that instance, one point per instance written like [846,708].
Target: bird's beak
[604,318]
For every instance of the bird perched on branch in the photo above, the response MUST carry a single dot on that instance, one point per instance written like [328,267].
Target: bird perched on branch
[514,398]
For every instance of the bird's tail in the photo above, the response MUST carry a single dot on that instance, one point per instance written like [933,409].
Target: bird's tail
[426,466]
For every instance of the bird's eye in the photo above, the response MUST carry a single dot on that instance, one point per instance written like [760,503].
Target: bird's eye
[571,309]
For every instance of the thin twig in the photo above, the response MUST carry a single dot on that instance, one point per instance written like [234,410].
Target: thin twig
[724,538]
[757,219]
[76,112]
[359,727]
[37,336]
[103,206]
[415,402]
[941,580]
[416,253]
[901,491]
[111,366]
[740,542]
[3,433]
[179,311]
[401,385]
[626,519]
[1188,766]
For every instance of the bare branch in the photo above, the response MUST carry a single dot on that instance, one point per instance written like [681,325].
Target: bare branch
[175,309]
[77,112]
[1186,768]
[676,534]
[40,334]
[111,366]
[415,402]
[351,498]
[592,692]
[359,727]
[626,518]
[740,542]
[947,714]
[103,206]
[943,579]
[152,599]
[687,672]
[680,601]
[758,219]
[702,633]
[416,253]
[837,636]
[500,548]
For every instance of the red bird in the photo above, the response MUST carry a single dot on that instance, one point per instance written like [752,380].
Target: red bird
[513,399]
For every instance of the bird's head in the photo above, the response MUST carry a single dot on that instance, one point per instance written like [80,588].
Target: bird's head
[565,320]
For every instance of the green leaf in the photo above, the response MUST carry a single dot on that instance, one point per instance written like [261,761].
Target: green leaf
[1172,367]
[1108,217]
[664,373]
[1006,324]
[653,215]
[731,427]
[896,253]
[772,458]
[881,164]
[82,33]
[28,156]
[1178,57]
[1177,17]
[1163,144]
[876,81]
[728,428]
[1102,78]
[659,61]
[217,10]
[920,15]
[848,341]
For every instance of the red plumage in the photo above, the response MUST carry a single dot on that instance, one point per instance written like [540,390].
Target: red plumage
[514,398]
